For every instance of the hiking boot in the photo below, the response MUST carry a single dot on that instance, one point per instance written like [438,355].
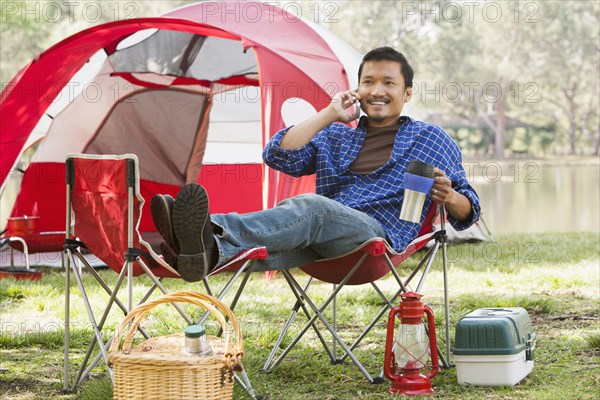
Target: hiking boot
[169,255]
[161,208]
[198,252]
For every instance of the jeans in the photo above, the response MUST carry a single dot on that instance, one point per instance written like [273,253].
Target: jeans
[297,231]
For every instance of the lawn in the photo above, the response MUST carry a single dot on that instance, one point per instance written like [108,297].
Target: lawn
[555,276]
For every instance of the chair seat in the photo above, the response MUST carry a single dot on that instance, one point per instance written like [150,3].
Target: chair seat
[256,253]
[39,242]
[371,269]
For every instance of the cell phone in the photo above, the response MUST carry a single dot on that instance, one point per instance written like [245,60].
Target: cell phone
[357,110]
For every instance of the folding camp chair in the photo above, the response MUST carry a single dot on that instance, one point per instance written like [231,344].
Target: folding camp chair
[23,235]
[103,212]
[366,264]
[34,219]
[28,241]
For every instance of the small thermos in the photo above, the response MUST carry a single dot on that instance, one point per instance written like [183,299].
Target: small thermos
[417,184]
[196,341]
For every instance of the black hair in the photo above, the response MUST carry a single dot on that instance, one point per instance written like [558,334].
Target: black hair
[390,54]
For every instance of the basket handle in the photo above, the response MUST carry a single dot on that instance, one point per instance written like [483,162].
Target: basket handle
[209,303]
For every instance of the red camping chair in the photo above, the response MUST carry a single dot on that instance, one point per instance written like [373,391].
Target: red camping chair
[26,234]
[29,234]
[103,215]
[367,263]
[33,221]
[11,242]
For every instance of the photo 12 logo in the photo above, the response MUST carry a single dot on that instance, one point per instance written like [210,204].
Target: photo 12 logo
[470,11]
[494,172]
[471,92]
[251,12]
[55,12]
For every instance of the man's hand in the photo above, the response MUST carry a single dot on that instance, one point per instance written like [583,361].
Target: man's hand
[458,205]
[342,101]
[299,135]
[441,191]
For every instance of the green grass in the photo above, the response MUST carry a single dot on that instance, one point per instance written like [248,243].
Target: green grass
[534,305]
[554,276]
[593,340]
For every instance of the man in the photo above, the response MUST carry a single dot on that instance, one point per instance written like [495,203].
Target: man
[359,176]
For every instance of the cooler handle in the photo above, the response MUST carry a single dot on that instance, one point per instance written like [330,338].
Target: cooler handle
[531,343]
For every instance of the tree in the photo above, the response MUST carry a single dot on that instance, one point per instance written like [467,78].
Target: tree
[571,52]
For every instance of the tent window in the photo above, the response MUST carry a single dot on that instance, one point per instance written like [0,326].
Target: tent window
[188,55]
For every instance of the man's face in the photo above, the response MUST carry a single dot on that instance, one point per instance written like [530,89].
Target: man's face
[382,92]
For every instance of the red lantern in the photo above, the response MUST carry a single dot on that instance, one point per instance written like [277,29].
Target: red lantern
[409,352]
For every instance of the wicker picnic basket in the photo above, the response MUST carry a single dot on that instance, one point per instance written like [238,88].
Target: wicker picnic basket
[159,368]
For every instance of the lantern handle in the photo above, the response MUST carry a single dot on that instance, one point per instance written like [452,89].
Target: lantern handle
[435,366]
[389,361]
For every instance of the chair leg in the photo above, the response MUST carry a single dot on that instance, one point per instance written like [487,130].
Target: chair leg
[429,257]
[95,327]
[448,361]
[67,334]
[84,373]
[246,270]
[318,313]
[87,365]
[383,310]
[158,284]
[269,365]
[300,303]
[244,383]
[336,360]
[443,239]
[303,298]
[110,292]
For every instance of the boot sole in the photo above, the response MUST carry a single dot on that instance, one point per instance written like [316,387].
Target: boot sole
[190,216]
[159,208]
[169,254]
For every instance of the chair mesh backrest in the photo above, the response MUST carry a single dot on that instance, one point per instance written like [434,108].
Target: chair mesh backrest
[374,266]
[99,202]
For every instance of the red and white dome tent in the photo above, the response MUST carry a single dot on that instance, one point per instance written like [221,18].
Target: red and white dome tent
[195,94]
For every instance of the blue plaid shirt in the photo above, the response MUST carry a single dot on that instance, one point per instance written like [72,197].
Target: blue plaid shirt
[379,194]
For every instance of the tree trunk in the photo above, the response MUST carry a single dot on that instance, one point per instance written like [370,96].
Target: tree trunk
[572,135]
[499,137]
[572,114]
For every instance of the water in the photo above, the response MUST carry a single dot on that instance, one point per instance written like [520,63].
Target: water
[538,196]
